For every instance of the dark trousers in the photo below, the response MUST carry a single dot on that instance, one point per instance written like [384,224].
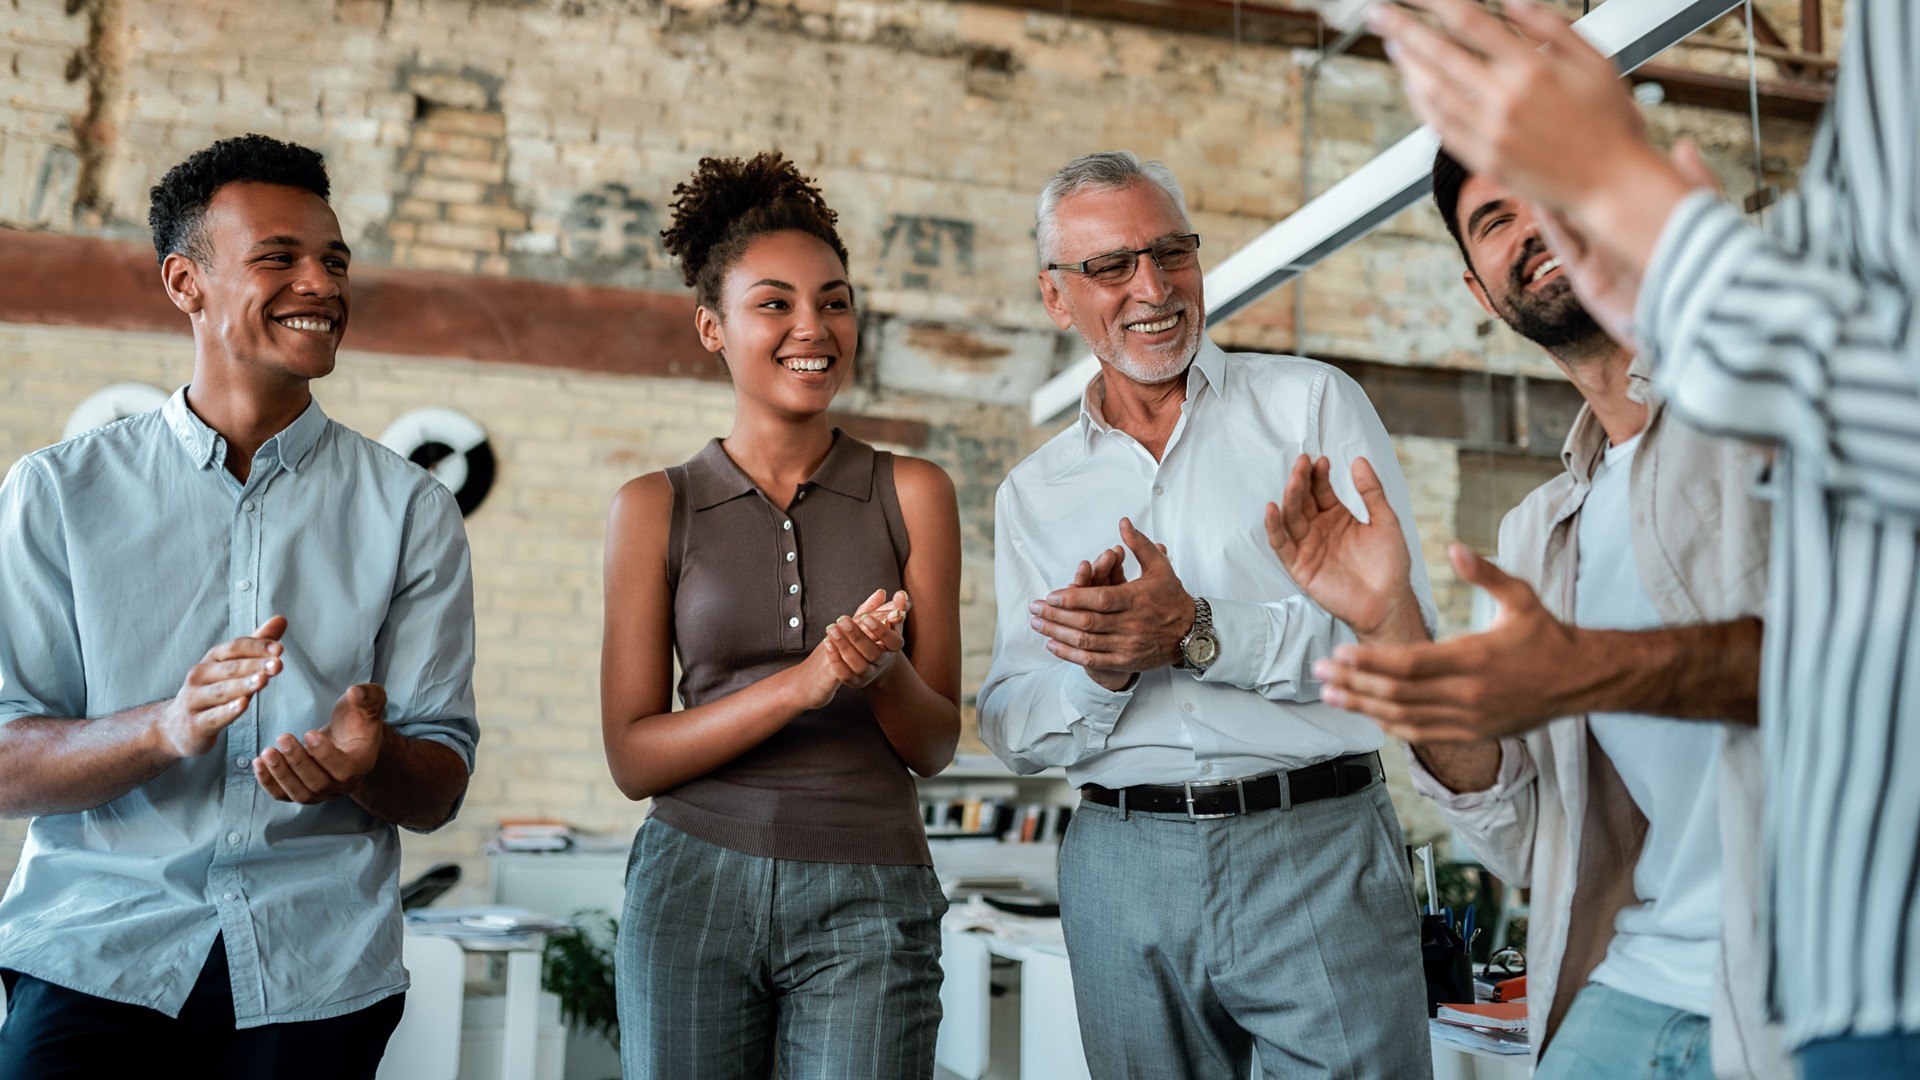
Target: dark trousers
[53,1032]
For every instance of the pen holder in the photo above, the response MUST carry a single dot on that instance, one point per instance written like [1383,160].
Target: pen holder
[1443,957]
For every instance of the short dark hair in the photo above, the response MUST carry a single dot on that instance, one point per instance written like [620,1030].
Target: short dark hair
[730,202]
[1449,176]
[181,197]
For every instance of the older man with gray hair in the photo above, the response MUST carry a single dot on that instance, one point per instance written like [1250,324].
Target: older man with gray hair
[1234,882]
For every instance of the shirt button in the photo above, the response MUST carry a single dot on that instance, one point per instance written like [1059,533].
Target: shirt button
[248,506]
[233,838]
[1207,768]
[789,556]
[793,590]
[1158,490]
[240,761]
[245,585]
[794,621]
[787,525]
[230,896]
[1187,707]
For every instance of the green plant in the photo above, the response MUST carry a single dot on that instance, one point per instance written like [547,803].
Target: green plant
[577,967]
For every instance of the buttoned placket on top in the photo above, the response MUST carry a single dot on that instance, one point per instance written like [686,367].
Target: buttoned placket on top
[1157,478]
[226,876]
[793,631]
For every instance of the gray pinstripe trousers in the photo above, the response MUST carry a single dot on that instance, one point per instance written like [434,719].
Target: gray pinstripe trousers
[725,959]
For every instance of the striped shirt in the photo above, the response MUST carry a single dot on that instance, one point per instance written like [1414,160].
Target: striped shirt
[1808,338]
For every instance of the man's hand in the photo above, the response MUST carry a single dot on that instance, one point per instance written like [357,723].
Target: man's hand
[218,690]
[1607,284]
[1524,670]
[1116,628]
[1360,574]
[325,765]
[1554,121]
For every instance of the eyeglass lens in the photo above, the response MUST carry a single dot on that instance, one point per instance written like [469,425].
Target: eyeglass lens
[1175,254]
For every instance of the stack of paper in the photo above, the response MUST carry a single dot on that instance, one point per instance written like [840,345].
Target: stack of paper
[488,926]
[1491,1027]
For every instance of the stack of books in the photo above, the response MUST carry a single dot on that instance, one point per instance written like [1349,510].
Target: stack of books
[1015,823]
[532,834]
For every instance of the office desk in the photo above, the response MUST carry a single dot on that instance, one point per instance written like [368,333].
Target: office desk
[1039,1018]
[427,1044]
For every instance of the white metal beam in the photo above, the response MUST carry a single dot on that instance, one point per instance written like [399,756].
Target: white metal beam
[1630,31]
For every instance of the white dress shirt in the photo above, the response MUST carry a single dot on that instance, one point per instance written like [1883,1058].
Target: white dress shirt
[1257,709]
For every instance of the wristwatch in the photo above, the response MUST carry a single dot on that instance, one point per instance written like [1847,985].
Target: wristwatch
[1201,647]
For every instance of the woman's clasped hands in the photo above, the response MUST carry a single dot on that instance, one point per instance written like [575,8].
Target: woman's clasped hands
[858,649]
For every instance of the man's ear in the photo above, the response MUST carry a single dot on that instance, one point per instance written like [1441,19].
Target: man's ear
[1479,291]
[706,323]
[1055,300]
[182,278]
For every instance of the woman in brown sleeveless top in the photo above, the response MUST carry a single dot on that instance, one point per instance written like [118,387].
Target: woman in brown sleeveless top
[780,899]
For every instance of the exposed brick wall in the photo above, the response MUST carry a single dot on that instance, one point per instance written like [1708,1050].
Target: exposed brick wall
[541,140]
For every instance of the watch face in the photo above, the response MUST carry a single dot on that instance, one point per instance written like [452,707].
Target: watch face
[1202,648]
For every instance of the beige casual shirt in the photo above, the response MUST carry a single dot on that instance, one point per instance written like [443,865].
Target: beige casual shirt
[1558,819]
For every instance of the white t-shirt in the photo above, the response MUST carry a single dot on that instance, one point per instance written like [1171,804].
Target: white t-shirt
[1665,949]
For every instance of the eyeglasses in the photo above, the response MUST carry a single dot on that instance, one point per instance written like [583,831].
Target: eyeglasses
[1117,267]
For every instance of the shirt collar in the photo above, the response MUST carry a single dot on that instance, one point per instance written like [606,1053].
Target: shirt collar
[206,448]
[1208,369]
[713,477]
[1587,442]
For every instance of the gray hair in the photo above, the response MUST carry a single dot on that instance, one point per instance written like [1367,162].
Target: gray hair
[1105,170]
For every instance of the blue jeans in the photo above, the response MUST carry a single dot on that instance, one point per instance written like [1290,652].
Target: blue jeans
[1875,1057]
[1610,1035]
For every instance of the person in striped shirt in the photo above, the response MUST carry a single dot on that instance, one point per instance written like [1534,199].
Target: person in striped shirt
[1804,337]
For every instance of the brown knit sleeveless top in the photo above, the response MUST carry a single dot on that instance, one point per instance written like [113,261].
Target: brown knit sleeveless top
[755,586]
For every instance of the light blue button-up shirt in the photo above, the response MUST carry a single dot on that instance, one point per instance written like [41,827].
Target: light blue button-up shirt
[126,554]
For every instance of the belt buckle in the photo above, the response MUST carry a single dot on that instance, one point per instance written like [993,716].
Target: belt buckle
[1187,787]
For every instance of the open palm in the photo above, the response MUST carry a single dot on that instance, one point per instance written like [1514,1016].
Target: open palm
[1358,571]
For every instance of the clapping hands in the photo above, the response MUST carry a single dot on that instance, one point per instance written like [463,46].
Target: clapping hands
[859,649]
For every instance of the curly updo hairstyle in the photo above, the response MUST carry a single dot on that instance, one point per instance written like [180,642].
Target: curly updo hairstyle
[731,202]
[181,197]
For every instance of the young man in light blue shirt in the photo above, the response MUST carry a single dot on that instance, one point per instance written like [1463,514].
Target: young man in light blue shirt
[236,650]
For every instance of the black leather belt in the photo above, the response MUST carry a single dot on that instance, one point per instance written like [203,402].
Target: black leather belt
[1225,798]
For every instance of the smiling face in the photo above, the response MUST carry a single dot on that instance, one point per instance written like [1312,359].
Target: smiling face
[1513,275]
[1147,328]
[272,298]
[786,327]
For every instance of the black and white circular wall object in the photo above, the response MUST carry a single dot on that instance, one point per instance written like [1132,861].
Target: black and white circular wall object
[450,445]
[116,402]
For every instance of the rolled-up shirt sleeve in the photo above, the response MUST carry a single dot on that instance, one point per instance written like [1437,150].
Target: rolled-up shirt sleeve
[1035,710]
[41,668]
[423,654]
[1499,823]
